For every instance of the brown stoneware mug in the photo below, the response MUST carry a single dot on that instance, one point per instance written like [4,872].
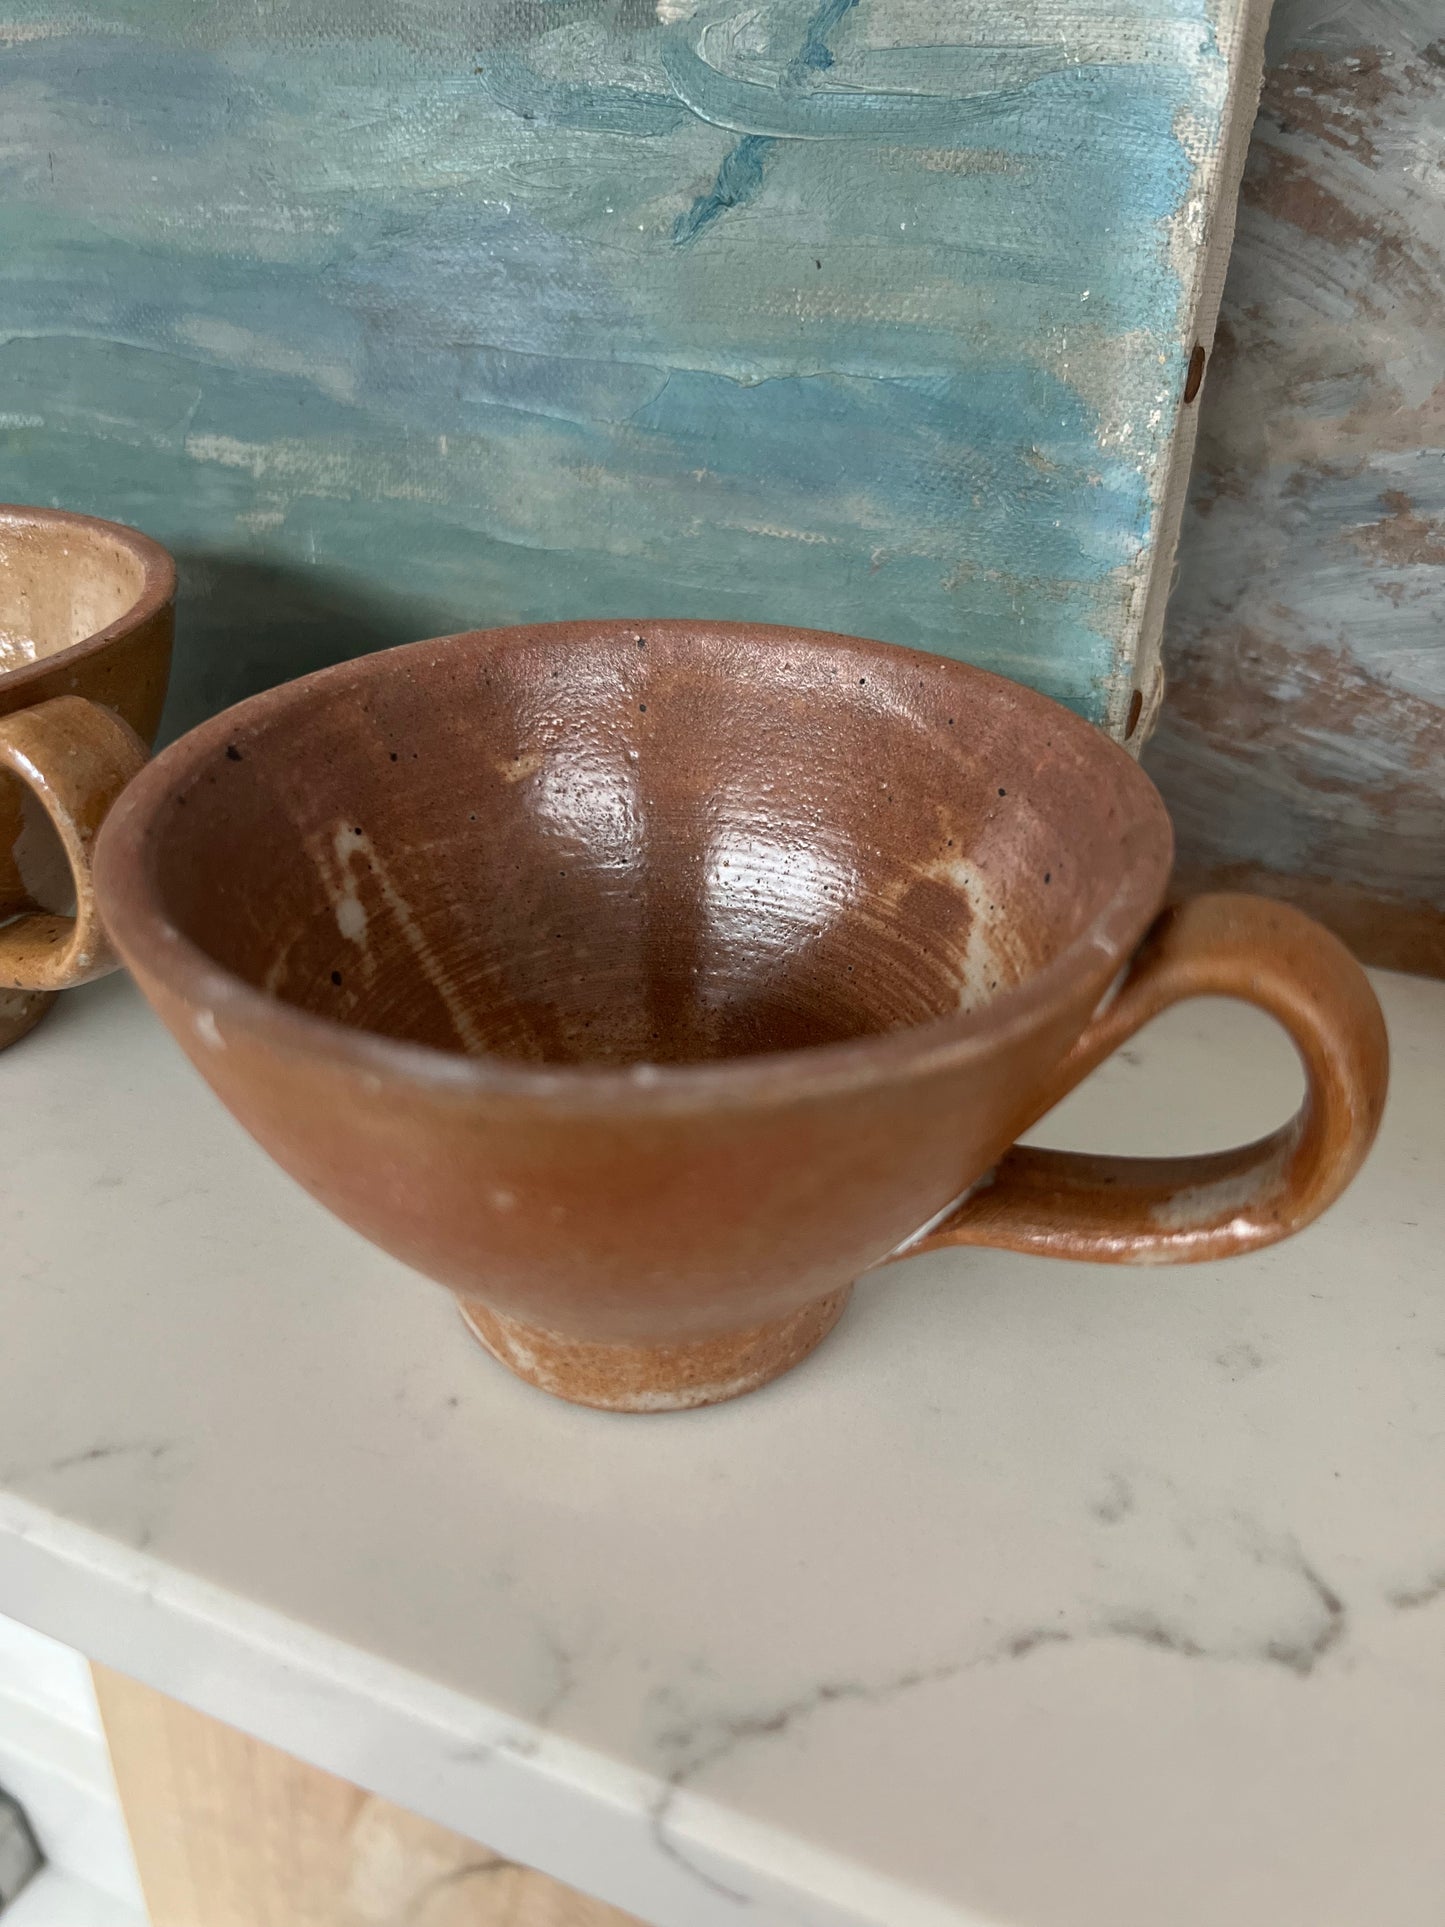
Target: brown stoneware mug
[86,612]
[647,984]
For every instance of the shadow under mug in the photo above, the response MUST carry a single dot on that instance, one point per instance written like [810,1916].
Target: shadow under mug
[86,620]
[647,984]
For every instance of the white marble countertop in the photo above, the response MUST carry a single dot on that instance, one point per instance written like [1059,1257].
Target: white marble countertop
[1042,1596]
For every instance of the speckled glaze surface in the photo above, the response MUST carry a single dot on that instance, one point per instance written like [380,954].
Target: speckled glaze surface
[646,984]
[86,620]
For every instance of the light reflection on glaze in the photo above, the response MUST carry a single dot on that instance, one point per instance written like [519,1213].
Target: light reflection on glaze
[585,790]
[768,895]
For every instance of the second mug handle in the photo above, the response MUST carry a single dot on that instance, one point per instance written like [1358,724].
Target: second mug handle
[76,758]
[1181,1210]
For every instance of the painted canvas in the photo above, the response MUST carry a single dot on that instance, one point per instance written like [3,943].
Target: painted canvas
[394,319]
[1302,746]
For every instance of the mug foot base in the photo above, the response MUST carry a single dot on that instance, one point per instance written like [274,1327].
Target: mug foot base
[655,1378]
[21,1011]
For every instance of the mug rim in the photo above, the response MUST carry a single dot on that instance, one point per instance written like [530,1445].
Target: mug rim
[217,996]
[158,587]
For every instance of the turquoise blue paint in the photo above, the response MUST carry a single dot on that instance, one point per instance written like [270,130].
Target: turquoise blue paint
[392,321]
[741,173]
[738,179]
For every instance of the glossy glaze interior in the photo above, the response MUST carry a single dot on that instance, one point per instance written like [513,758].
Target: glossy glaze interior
[654,845]
[61,581]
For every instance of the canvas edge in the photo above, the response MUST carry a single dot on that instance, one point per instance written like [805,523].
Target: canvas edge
[1217,182]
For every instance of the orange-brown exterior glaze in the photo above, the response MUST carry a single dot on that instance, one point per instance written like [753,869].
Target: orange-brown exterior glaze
[1183,1210]
[643,983]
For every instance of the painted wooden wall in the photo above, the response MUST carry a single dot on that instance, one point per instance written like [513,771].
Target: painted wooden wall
[398,316]
[1302,745]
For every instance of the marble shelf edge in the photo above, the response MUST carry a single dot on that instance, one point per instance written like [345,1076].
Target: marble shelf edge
[674,1858]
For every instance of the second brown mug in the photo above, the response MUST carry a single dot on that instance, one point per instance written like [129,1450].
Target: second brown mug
[86,618]
[647,984]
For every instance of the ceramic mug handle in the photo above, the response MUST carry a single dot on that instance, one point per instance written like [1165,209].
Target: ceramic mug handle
[1067,1204]
[75,758]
